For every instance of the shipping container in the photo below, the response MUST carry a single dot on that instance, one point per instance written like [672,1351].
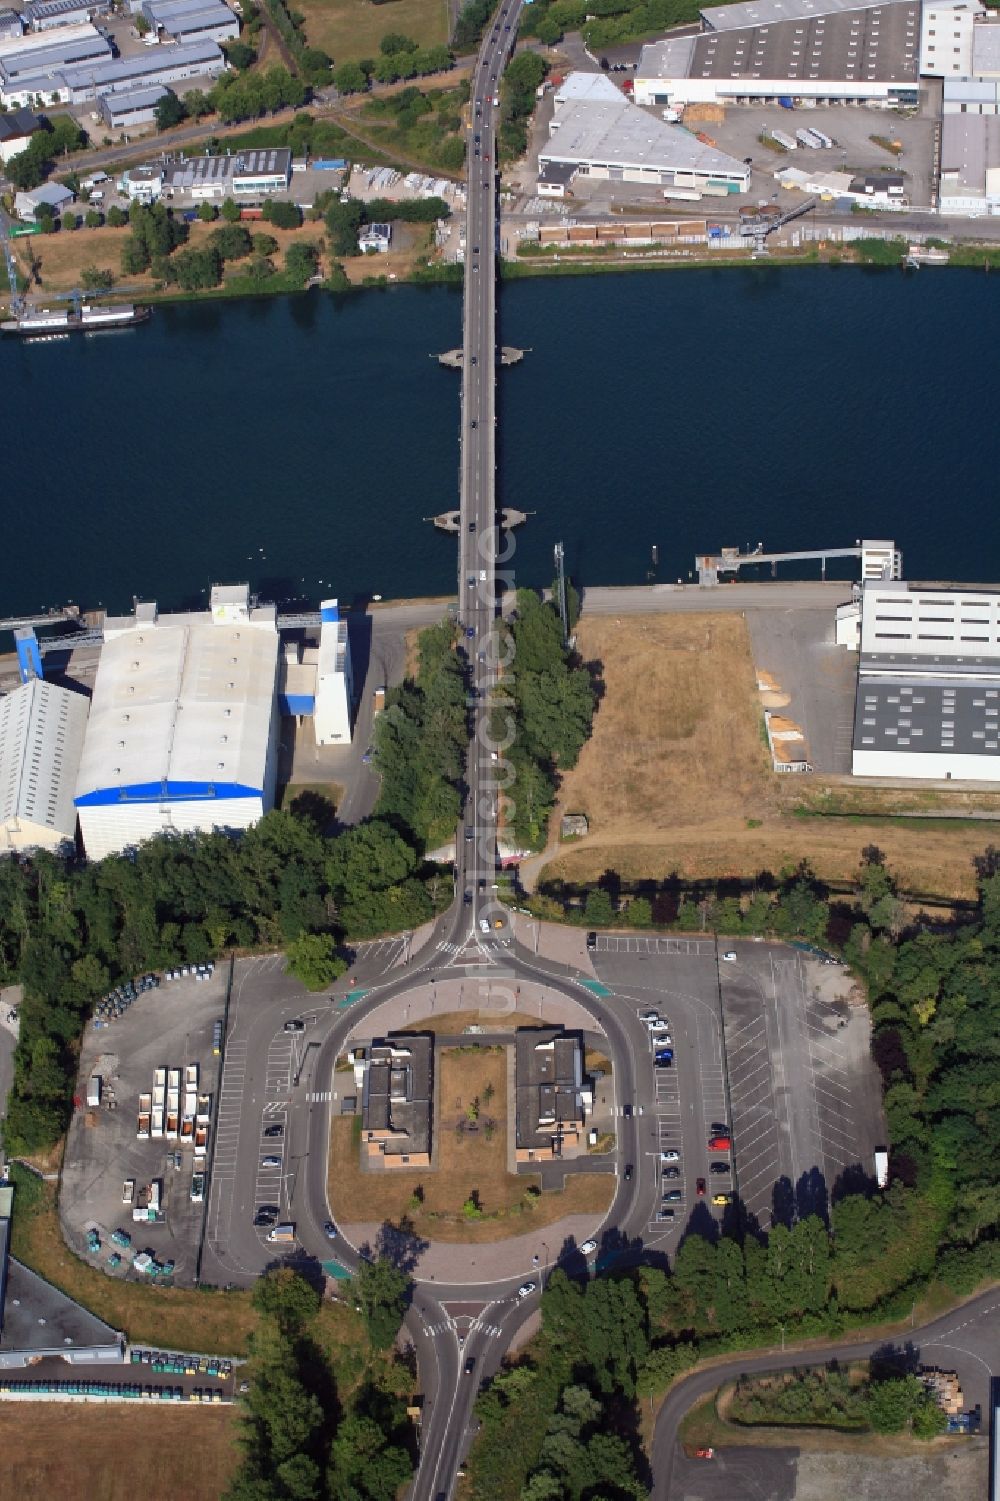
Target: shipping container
[251,213]
[806,138]
[94,1091]
[329,164]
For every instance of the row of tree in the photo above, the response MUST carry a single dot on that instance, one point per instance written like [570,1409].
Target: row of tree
[57,138]
[344,221]
[68,931]
[605,22]
[831,1397]
[299,1439]
[399,57]
[521,79]
[543,714]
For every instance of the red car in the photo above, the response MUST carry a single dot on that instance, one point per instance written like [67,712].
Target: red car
[700,1188]
[719,1143]
[704,1454]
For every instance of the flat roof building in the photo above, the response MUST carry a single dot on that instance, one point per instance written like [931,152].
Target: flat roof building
[131,109]
[249,174]
[11,24]
[863,55]
[42,15]
[946,37]
[771,12]
[552,1094]
[183,731]
[78,82]
[928,696]
[42,729]
[396,1100]
[969,180]
[601,134]
[192,20]
[334,679]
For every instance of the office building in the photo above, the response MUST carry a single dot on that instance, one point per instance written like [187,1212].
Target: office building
[553,1096]
[397,1086]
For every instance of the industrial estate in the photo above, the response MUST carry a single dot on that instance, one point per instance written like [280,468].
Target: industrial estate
[375,1086]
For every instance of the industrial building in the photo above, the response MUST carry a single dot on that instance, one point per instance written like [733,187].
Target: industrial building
[78,80]
[129,110]
[31,66]
[396,1080]
[928,695]
[43,15]
[969,181]
[183,730]
[970,96]
[773,51]
[57,197]
[16,129]
[596,132]
[946,38]
[192,20]
[334,679]
[42,729]
[553,1096]
[248,175]
[11,24]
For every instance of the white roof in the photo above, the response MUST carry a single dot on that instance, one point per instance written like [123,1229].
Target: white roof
[901,620]
[986,49]
[41,739]
[613,132]
[970,144]
[586,86]
[766,12]
[53,193]
[54,36]
[669,59]
[183,701]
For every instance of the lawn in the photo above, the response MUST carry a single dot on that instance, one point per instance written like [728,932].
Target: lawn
[352,29]
[676,777]
[116,1453]
[467,1162]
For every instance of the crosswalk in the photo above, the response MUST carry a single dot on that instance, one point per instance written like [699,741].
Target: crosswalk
[319,1097]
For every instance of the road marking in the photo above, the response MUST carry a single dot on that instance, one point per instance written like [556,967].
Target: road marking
[319,1097]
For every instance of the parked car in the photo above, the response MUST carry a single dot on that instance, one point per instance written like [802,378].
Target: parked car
[699,1188]
[673,1196]
[671,1172]
[274,1130]
[729,957]
[722,1198]
[670,1156]
[719,1144]
[295,1025]
[588,1247]
[719,1128]
[719,1167]
[270,1161]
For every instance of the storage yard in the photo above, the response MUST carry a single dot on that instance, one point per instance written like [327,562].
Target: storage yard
[137,1157]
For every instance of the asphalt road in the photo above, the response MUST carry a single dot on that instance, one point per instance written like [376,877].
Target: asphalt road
[981,1314]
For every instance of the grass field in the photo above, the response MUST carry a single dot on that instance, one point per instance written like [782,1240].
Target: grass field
[352,29]
[116,1453]
[677,779]
[466,1162]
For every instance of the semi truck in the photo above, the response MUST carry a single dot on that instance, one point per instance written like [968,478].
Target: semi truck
[881,1167]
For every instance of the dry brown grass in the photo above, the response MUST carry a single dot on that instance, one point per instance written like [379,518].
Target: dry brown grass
[466,1162]
[677,768]
[452,1023]
[352,29]
[115,1453]
[63,256]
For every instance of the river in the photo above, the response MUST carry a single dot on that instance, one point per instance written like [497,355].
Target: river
[800,407]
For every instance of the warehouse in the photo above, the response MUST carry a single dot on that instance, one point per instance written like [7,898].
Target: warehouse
[859,56]
[192,20]
[33,65]
[26,205]
[76,83]
[971,96]
[928,696]
[946,38]
[42,730]
[251,174]
[42,15]
[970,165]
[16,129]
[183,731]
[11,25]
[766,12]
[130,110]
[597,132]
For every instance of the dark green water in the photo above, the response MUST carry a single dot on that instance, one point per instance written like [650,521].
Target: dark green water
[299,442]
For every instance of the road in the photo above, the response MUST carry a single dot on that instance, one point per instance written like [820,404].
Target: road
[982,1313]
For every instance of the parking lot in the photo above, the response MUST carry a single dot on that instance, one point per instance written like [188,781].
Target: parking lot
[804,1093]
[170,1027]
[817,676]
[791,1075]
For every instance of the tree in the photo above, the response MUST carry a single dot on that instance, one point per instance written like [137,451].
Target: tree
[97,279]
[196,270]
[395,42]
[382,1290]
[264,244]
[207,213]
[240,56]
[287,1298]
[232,241]
[343,222]
[67,219]
[92,219]
[348,78]
[301,262]
[231,211]
[371,856]
[117,217]
[599,910]
[313,959]
[170,111]
[282,215]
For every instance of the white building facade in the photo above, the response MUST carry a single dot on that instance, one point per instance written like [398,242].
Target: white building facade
[42,730]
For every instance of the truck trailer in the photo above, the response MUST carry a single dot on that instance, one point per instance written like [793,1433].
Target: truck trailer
[881,1167]
[94,1092]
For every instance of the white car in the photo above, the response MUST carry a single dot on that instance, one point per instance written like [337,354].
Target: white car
[649,1016]
[484,926]
[670,1156]
[661,1039]
[729,957]
[588,1247]
[526,1289]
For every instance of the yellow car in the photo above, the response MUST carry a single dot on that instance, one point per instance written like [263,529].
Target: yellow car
[722,1198]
